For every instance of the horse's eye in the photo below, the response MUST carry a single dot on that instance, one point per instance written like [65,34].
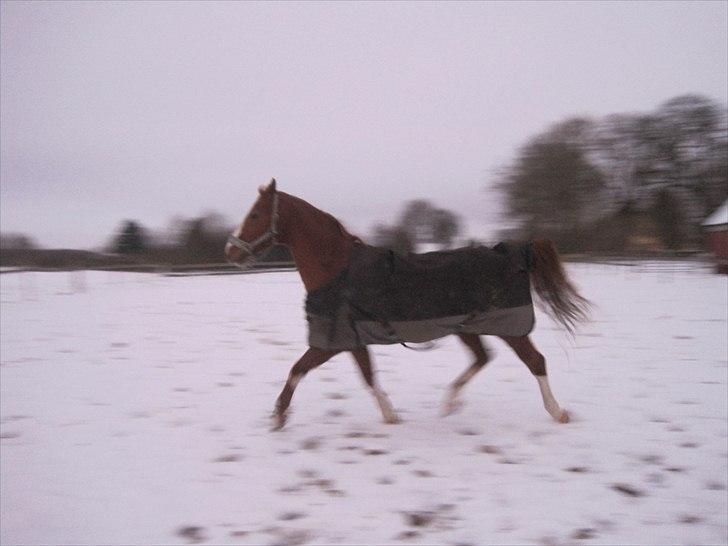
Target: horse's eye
[253,215]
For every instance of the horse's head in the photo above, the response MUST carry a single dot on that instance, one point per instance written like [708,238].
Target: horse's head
[258,231]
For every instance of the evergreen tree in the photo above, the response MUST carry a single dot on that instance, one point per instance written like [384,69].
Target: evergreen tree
[131,239]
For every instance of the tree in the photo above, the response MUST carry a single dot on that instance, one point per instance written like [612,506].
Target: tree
[693,148]
[669,218]
[394,238]
[203,238]
[553,188]
[131,239]
[672,162]
[16,241]
[445,227]
[425,223]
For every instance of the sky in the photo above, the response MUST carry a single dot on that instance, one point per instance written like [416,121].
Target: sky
[146,111]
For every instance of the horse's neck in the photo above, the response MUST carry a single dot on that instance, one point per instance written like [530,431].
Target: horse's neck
[319,247]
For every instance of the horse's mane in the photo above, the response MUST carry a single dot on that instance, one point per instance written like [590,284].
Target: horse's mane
[321,216]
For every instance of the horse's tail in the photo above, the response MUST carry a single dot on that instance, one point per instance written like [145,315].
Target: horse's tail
[558,297]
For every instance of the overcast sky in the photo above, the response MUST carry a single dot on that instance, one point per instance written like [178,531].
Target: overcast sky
[145,110]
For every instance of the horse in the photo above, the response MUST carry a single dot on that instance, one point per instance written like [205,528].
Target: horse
[323,249]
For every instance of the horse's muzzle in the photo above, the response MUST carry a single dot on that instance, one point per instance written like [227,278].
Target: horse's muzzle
[238,256]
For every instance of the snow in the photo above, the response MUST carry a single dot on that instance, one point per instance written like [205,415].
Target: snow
[135,410]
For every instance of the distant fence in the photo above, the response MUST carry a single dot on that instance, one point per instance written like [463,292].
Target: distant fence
[177,270]
[678,263]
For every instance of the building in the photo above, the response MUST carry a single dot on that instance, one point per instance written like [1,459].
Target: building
[716,228]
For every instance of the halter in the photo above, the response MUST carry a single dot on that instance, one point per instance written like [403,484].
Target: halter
[270,235]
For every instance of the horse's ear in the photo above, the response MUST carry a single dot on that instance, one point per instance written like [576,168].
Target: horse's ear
[271,187]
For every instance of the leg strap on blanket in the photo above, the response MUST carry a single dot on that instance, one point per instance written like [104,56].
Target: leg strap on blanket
[427,346]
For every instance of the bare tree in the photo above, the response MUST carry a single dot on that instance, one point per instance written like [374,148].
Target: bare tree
[425,223]
[394,238]
[553,188]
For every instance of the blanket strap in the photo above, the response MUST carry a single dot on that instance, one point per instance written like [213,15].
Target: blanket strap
[388,329]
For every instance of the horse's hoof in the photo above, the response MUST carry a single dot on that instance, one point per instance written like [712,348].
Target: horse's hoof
[451,406]
[392,420]
[279,421]
[564,417]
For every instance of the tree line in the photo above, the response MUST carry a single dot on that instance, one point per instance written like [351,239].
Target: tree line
[641,181]
[623,183]
[197,240]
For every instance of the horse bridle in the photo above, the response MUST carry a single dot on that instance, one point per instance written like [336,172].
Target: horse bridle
[270,235]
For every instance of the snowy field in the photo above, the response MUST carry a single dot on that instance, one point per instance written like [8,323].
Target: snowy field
[135,410]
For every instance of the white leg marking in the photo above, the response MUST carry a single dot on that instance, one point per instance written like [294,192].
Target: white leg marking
[452,399]
[452,402]
[549,402]
[385,406]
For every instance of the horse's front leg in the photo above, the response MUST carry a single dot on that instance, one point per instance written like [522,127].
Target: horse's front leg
[311,359]
[363,360]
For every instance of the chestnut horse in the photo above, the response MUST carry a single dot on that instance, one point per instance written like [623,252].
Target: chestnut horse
[321,248]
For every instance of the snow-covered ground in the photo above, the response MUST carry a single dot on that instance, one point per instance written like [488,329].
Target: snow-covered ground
[135,410]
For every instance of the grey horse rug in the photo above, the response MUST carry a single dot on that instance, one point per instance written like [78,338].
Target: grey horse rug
[382,297]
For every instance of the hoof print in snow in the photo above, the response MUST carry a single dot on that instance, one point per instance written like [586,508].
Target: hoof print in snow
[419,519]
[690,519]
[228,459]
[407,535]
[490,450]
[311,444]
[577,469]
[584,534]
[385,481]
[375,452]
[401,462]
[468,432]
[506,460]
[193,534]
[335,413]
[335,492]
[293,538]
[627,490]
[689,444]
[290,516]
[715,486]
[651,459]
[423,473]
[9,435]
[336,396]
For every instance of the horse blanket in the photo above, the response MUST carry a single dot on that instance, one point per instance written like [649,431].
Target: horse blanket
[382,297]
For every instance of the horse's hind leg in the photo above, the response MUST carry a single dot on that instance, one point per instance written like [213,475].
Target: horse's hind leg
[310,360]
[537,364]
[363,360]
[475,344]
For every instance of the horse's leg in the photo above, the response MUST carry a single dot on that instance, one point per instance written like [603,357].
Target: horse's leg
[310,360]
[537,364]
[363,360]
[475,344]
